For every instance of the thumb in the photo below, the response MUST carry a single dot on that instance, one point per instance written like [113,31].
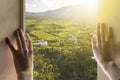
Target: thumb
[94,41]
[10,45]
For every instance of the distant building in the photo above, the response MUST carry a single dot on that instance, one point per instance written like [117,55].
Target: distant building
[41,43]
[72,38]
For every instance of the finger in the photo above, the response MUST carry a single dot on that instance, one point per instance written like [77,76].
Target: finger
[30,46]
[111,35]
[103,32]
[18,40]
[94,41]
[22,39]
[107,33]
[10,45]
[98,34]
[112,41]
[94,46]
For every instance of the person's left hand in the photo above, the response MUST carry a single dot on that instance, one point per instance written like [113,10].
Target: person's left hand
[23,55]
[103,44]
[104,50]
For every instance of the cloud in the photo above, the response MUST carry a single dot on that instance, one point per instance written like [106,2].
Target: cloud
[44,5]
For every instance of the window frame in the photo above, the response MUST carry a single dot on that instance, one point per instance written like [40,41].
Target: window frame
[21,14]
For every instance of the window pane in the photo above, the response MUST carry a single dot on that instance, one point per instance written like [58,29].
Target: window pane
[61,32]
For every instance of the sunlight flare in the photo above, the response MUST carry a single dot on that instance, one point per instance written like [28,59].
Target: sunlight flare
[90,4]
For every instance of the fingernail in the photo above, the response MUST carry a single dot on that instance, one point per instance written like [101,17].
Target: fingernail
[16,32]
[19,29]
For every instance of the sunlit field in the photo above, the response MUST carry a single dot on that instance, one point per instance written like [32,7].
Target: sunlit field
[62,40]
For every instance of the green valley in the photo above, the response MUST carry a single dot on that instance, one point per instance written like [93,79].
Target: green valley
[67,53]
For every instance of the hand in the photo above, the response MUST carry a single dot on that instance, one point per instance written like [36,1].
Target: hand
[103,44]
[23,55]
[104,50]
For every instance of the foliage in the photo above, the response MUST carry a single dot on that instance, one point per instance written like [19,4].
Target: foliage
[68,54]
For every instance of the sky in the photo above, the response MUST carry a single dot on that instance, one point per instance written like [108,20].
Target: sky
[44,5]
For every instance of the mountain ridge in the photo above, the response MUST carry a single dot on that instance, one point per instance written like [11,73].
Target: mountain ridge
[73,13]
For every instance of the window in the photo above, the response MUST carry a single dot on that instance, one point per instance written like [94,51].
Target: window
[61,33]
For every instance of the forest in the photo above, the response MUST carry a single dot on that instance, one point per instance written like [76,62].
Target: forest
[62,50]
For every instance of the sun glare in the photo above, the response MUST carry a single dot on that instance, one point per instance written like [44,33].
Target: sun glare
[90,6]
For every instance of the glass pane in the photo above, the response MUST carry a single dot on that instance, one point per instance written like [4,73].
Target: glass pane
[61,32]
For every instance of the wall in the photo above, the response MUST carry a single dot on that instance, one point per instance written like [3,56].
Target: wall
[9,22]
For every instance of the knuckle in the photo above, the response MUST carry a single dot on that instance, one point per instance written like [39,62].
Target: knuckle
[25,51]
[31,51]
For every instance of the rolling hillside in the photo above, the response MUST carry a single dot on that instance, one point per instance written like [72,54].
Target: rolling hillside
[71,13]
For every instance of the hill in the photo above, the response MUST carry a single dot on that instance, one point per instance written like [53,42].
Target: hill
[76,13]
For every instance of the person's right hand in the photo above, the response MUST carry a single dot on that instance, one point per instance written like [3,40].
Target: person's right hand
[104,50]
